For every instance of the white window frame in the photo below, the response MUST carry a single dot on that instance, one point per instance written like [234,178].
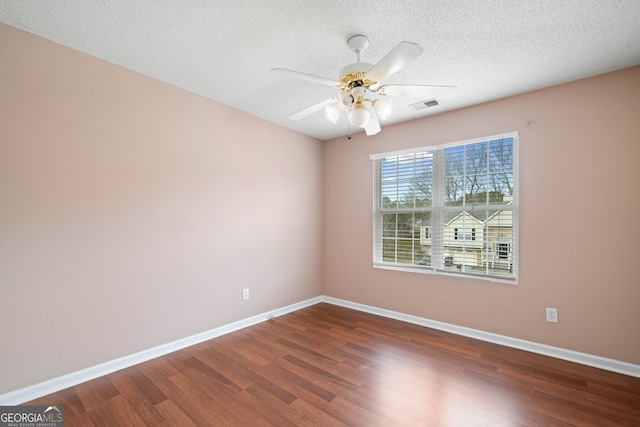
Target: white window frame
[436,228]
[465,233]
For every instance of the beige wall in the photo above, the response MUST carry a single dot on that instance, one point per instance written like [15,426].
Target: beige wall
[579,234]
[133,213]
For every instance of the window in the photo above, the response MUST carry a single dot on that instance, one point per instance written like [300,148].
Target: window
[465,234]
[503,250]
[449,209]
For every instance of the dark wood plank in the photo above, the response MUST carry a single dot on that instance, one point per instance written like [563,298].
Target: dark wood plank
[331,366]
[173,415]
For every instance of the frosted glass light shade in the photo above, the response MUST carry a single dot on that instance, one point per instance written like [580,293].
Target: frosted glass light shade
[359,116]
[334,112]
[345,100]
[383,108]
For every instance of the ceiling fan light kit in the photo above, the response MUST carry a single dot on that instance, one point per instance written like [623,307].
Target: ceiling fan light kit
[383,107]
[334,112]
[359,116]
[345,100]
[361,97]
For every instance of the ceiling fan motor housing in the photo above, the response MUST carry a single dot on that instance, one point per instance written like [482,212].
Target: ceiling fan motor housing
[355,75]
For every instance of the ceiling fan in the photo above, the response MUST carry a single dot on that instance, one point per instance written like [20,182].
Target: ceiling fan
[361,97]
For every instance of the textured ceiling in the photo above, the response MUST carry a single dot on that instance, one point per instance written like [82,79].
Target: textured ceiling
[224,50]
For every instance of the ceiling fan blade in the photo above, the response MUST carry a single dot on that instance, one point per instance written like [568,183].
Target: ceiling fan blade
[400,56]
[418,91]
[372,126]
[310,110]
[305,76]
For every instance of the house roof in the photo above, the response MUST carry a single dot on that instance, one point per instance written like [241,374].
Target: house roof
[224,50]
[482,215]
[468,214]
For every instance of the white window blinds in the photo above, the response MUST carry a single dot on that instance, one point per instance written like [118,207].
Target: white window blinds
[449,209]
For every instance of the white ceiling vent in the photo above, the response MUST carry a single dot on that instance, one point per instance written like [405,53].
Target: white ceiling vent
[424,104]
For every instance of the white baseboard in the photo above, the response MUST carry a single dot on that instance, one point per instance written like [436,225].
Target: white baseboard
[547,350]
[53,385]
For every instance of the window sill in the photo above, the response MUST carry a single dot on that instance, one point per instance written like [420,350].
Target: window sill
[429,270]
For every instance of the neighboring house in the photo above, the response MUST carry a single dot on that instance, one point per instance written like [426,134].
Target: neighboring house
[476,239]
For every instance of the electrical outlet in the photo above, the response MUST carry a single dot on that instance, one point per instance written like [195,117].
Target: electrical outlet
[245,294]
[552,315]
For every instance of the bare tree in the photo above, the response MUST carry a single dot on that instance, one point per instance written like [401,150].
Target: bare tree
[476,173]
[501,166]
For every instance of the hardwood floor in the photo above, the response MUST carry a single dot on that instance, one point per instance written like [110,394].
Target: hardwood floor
[331,366]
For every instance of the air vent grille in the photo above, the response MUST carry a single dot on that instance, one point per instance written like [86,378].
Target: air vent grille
[424,104]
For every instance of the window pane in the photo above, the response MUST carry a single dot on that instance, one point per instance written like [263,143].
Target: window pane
[476,159]
[389,225]
[423,179]
[406,194]
[423,249]
[500,187]
[405,226]
[389,183]
[405,251]
[406,181]
[454,175]
[389,194]
[454,190]
[452,221]
[479,173]
[501,155]
[424,191]
[464,247]
[389,250]
[404,237]
[406,167]
[499,243]
[476,190]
